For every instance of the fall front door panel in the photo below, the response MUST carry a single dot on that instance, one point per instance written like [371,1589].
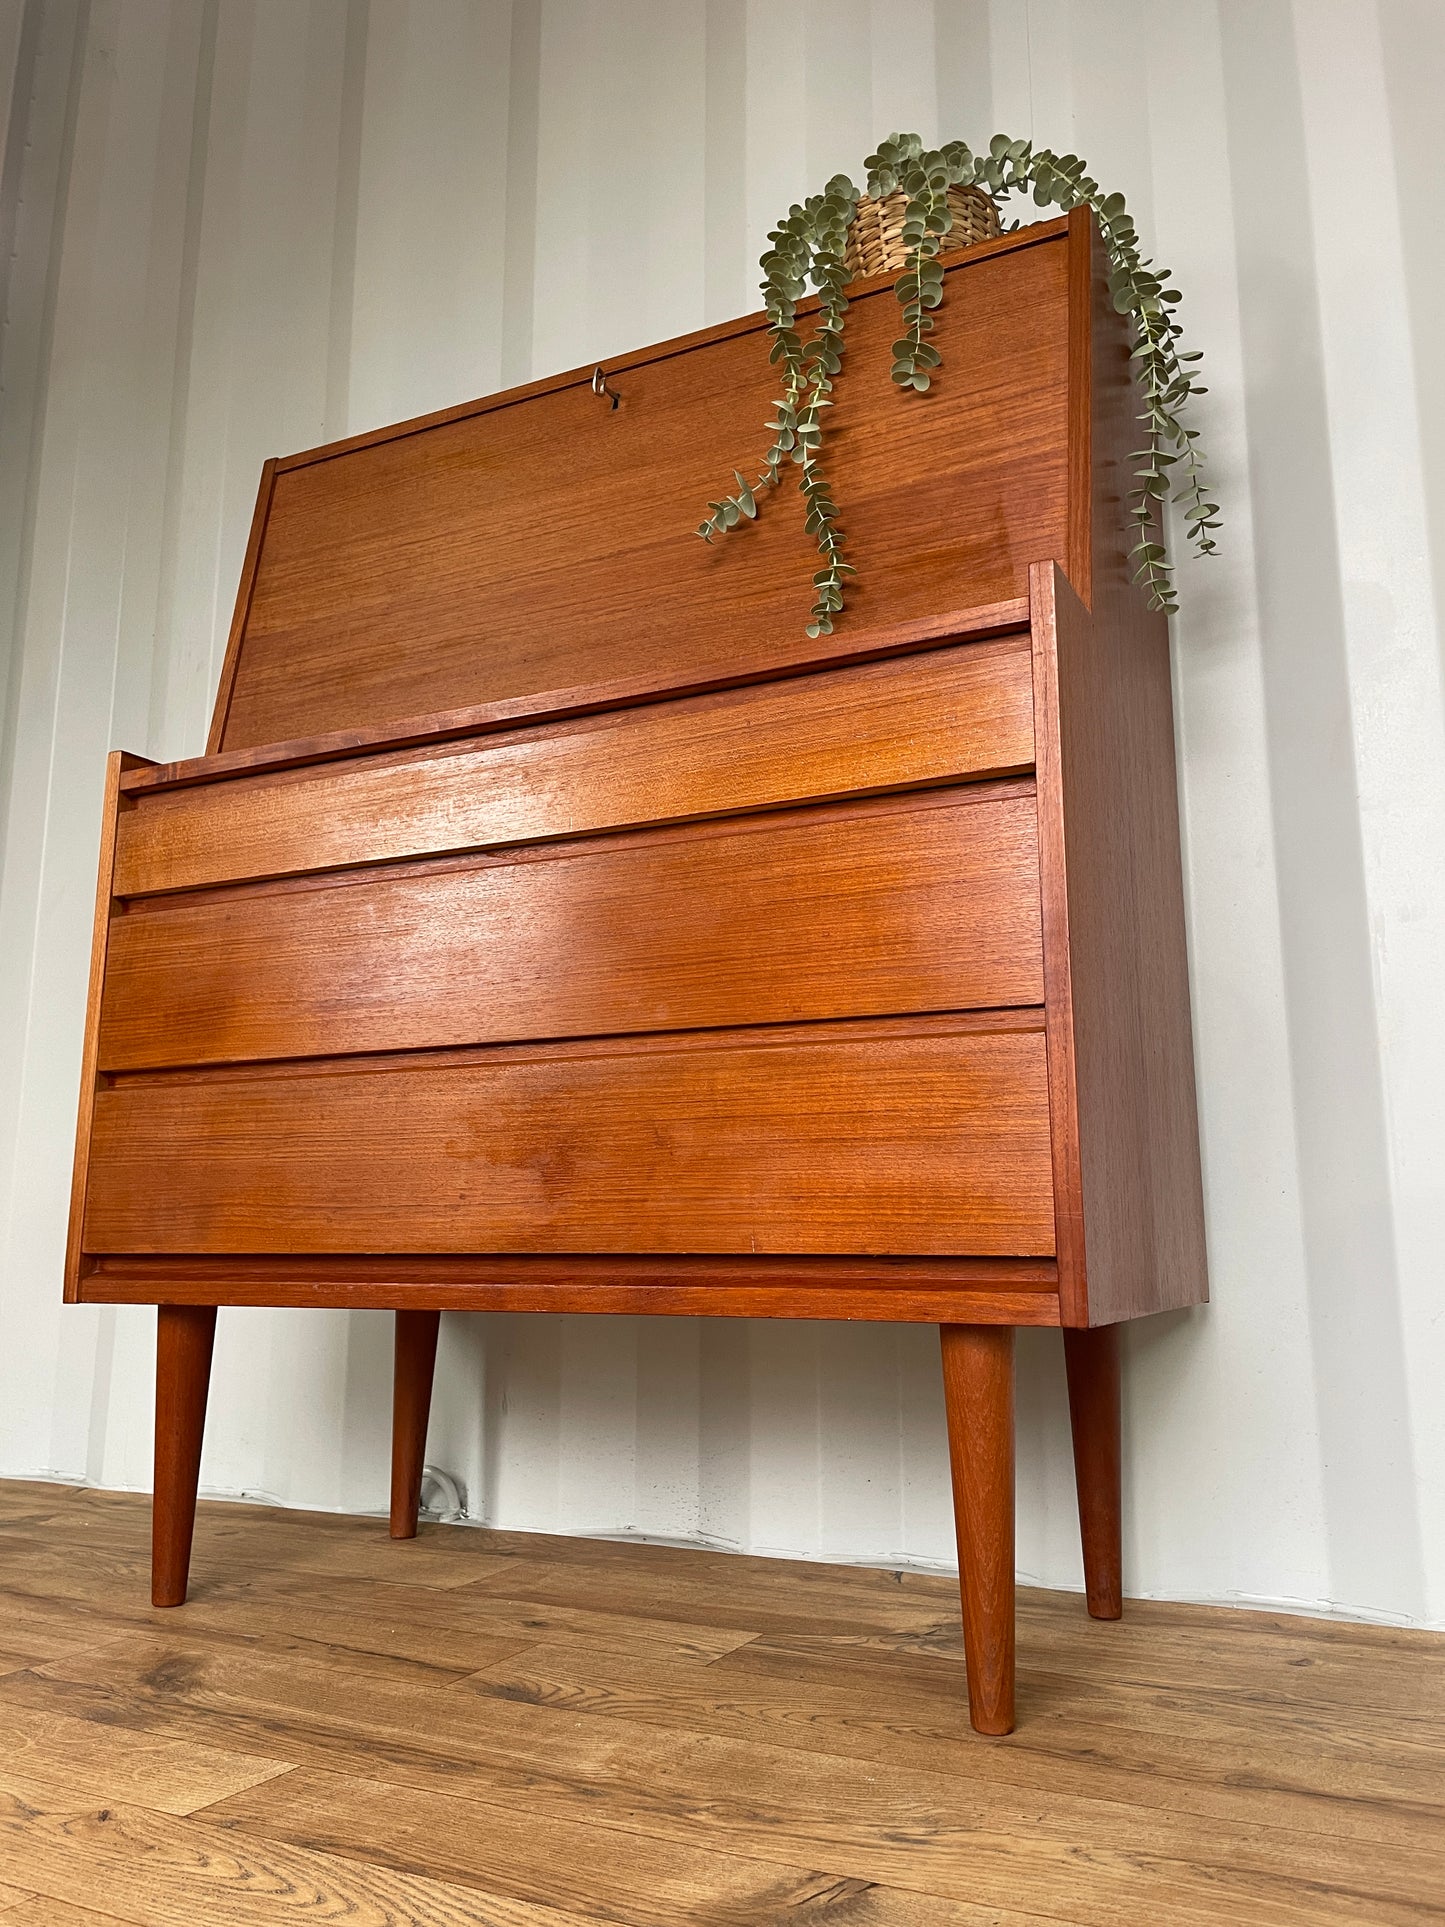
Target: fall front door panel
[546,541]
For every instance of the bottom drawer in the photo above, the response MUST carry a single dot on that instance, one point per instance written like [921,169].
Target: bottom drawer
[925,1136]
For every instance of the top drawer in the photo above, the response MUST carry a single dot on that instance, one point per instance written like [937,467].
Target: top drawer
[947,715]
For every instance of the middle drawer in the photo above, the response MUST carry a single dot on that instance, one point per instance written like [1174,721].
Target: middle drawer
[927,901]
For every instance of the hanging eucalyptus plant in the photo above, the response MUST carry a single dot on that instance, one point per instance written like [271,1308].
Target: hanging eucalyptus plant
[809,244]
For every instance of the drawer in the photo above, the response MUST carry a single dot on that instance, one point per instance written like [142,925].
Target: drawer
[951,714]
[922,902]
[925,1136]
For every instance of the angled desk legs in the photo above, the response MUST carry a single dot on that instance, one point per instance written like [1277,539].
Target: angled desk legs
[978,1391]
[415,1363]
[978,1380]
[185,1335]
[1092,1361]
[185,1338]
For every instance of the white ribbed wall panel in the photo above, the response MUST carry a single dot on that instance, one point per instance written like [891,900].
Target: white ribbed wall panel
[236,227]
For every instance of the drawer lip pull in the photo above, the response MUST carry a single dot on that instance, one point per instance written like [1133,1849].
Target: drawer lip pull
[1005,1021]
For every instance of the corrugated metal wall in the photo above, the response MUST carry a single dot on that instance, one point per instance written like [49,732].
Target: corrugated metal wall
[236,227]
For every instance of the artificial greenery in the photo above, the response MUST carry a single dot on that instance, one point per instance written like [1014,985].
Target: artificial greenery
[809,244]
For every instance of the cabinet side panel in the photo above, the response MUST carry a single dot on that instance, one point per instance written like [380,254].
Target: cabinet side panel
[116,765]
[241,614]
[1138,1144]
[1140,643]
[1083,253]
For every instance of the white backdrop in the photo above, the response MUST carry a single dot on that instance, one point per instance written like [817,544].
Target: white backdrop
[238,227]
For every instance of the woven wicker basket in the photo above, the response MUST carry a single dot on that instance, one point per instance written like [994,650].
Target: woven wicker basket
[875,240]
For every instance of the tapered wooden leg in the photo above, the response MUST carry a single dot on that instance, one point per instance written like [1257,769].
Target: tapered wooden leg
[185,1335]
[416,1357]
[1092,1361]
[978,1389]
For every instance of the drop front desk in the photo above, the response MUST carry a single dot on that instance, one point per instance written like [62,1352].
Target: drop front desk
[551,926]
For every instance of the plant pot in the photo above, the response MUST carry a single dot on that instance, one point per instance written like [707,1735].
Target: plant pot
[875,240]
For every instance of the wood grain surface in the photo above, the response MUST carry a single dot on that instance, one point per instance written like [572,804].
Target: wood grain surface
[946,714]
[463,562]
[925,1135]
[917,903]
[565,1730]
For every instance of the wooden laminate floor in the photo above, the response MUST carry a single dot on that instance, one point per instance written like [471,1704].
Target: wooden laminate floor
[536,1732]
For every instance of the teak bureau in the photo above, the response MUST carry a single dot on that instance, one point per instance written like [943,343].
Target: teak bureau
[550,926]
